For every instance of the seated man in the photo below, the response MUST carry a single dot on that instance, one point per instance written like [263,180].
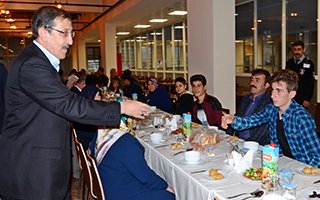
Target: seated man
[206,110]
[253,103]
[131,86]
[124,172]
[291,127]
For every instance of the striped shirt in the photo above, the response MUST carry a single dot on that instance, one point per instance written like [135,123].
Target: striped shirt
[299,128]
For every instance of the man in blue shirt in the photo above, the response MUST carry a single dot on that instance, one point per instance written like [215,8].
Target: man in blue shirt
[256,101]
[291,127]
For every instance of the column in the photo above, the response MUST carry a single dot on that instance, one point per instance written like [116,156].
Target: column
[108,46]
[211,47]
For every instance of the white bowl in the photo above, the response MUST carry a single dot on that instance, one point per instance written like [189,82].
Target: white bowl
[156,138]
[192,156]
[153,108]
[176,117]
[251,145]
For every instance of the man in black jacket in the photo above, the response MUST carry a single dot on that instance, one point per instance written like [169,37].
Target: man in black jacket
[304,67]
[35,143]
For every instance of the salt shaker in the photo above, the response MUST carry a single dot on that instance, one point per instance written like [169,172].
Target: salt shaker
[289,190]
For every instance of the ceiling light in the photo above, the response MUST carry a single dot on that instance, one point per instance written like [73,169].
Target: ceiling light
[178,12]
[236,14]
[158,20]
[141,37]
[13,27]
[29,33]
[259,20]
[178,27]
[142,26]
[123,33]
[293,14]
[155,33]
[99,40]
[59,6]
[10,20]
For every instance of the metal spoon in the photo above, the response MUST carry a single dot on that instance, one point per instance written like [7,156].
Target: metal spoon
[257,194]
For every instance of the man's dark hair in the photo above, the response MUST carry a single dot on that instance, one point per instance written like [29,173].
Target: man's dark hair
[199,77]
[92,80]
[298,43]
[127,76]
[289,77]
[262,72]
[44,17]
[181,80]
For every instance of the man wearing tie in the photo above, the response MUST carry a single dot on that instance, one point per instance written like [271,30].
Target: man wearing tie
[304,67]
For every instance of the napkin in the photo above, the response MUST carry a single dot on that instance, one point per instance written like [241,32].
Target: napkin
[172,124]
[242,163]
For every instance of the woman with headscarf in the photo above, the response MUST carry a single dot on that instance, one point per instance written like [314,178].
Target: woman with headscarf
[125,174]
[158,96]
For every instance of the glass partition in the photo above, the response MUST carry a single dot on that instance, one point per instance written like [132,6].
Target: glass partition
[244,37]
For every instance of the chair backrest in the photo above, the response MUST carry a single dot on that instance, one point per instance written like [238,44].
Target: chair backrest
[96,189]
[83,161]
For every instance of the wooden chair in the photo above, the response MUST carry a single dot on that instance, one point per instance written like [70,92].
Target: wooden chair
[83,163]
[96,185]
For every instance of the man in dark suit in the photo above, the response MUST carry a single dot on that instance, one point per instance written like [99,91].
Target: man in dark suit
[253,103]
[35,144]
[304,67]
[80,84]
[3,78]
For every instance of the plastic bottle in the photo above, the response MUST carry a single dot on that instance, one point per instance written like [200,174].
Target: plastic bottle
[135,96]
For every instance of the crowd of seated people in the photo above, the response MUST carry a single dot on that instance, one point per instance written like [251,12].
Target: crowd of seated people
[206,110]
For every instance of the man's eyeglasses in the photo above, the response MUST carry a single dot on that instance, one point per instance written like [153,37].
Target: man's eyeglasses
[65,33]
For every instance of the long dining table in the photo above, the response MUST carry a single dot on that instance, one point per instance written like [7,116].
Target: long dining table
[200,186]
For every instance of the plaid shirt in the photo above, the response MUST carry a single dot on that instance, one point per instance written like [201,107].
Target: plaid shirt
[299,127]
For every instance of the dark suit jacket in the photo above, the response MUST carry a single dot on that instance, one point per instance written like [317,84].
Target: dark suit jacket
[3,78]
[75,90]
[35,144]
[305,70]
[259,134]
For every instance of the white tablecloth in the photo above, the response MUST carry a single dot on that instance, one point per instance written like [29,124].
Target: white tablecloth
[200,186]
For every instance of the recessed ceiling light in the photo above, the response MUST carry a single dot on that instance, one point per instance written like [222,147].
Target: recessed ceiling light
[10,20]
[178,27]
[123,33]
[155,33]
[141,37]
[178,12]
[142,26]
[158,20]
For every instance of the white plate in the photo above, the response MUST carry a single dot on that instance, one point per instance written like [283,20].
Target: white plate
[202,161]
[206,176]
[305,195]
[300,171]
